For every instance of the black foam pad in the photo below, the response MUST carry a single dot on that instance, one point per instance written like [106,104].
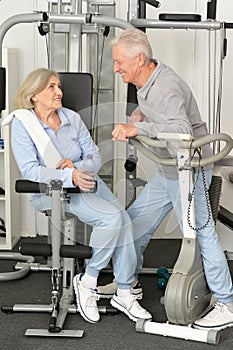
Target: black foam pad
[77,91]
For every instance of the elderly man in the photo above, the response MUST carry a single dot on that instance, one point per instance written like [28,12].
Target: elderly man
[166,104]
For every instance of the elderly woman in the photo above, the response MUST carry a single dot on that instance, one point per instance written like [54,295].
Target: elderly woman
[112,236]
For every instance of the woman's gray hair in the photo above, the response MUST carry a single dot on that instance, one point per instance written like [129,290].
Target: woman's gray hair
[135,41]
[33,84]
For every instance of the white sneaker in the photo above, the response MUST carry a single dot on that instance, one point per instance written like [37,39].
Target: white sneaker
[86,300]
[107,291]
[218,318]
[130,306]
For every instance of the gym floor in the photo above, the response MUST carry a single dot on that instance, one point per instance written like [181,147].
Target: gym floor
[112,332]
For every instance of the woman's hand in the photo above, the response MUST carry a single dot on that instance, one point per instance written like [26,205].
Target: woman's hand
[65,163]
[83,180]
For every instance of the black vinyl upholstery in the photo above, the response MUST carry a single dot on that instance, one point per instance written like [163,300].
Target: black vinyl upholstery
[78,94]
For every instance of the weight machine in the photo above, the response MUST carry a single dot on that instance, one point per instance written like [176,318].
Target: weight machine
[72,22]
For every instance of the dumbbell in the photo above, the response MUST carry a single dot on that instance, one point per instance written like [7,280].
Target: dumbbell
[164,276]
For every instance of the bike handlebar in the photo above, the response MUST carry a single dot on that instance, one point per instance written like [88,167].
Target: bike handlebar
[143,142]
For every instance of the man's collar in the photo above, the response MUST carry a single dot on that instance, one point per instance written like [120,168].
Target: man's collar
[142,92]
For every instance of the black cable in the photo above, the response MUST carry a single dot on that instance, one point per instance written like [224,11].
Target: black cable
[43,29]
[47,49]
[206,193]
[105,34]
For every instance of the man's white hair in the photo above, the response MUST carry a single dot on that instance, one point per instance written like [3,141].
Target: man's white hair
[135,41]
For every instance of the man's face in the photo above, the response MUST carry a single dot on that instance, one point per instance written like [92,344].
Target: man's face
[125,65]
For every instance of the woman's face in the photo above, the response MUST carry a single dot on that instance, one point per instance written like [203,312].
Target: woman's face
[51,97]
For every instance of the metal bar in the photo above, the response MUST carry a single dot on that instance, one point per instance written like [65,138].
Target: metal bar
[21,18]
[37,17]
[82,18]
[13,275]
[71,19]
[183,332]
[32,308]
[115,22]
[45,333]
[56,228]
[153,23]
[141,141]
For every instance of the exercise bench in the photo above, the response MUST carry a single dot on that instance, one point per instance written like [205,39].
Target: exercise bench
[64,254]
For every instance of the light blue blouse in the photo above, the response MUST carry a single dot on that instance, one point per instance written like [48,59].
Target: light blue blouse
[72,140]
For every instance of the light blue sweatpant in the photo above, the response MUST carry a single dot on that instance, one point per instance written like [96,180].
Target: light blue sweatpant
[112,234]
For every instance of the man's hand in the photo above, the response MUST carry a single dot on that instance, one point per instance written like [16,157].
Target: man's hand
[136,117]
[123,131]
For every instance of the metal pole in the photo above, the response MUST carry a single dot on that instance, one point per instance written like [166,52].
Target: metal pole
[42,17]
[115,22]
[21,18]
[153,23]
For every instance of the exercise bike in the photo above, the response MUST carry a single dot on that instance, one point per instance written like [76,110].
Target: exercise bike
[187,296]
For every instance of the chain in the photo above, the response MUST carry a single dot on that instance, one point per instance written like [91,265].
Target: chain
[191,197]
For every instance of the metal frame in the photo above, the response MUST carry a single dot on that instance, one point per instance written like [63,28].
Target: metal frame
[178,301]
[63,265]
[43,17]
